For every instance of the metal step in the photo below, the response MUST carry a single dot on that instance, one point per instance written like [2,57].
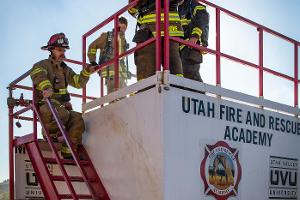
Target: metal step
[72,178]
[80,196]
[65,161]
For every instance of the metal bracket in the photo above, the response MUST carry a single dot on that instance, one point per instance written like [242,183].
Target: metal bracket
[260,106]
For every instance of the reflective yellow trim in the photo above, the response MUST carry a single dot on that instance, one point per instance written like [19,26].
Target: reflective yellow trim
[197,31]
[76,81]
[112,73]
[65,150]
[182,46]
[151,18]
[85,73]
[37,70]
[180,75]
[132,11]
[93,51]
[198,8]
[185,22]
[62,91]
[44,84]
[171,33]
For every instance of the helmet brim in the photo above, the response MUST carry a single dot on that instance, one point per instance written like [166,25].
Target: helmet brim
[47,47]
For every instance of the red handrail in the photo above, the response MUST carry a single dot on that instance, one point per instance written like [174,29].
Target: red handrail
[260,66]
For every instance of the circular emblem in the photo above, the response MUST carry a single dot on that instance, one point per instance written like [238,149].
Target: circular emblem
[220,171]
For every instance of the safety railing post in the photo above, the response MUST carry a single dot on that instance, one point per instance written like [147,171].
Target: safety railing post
[158,35]
[34,114]
[296,65]
[166,36]
[101,85]
[261,62]
[218,47]
[116,51]
[11,149]
[83,66]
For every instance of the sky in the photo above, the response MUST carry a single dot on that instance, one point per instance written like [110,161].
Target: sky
[26,25]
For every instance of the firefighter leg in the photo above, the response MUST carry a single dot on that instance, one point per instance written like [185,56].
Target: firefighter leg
[75,128]
[110,84]
[191,71]
[175,61]
[191,60]
[145,62]
[49,121]
[122,82]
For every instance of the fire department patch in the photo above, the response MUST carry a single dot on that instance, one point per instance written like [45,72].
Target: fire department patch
[221,171]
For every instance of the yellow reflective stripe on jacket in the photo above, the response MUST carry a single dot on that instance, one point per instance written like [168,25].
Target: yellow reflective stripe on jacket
[44,84]
[76,81]
[182,45]
[85,73]
[93,51]
[171,33]
[52,100]
[62,91]
[198,8]
[112,73]
[197,31]
[37,70]
[132,11]
[151,18]
[185,22]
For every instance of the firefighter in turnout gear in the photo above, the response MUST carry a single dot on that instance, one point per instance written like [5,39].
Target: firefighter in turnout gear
[105,43]
[144,11]
[195,22]
[51,78]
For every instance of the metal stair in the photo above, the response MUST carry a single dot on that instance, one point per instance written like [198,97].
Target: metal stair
[88,173]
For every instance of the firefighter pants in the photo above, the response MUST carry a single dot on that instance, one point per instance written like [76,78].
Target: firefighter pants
[191,66]
[110,83]
[72,121]
[145,60]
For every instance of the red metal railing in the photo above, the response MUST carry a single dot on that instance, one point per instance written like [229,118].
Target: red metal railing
[117,55]
[260,66]
[217,51]
[158,40]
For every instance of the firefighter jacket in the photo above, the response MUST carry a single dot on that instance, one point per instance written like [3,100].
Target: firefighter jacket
[106,45]
[144,11]
[195,21]
[49,73]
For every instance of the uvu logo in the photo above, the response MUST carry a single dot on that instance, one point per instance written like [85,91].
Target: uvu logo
[283,178]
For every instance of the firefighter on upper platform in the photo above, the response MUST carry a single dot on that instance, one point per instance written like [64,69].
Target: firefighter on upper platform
[106,45]
[51,78]
[195,22]
[144,11]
